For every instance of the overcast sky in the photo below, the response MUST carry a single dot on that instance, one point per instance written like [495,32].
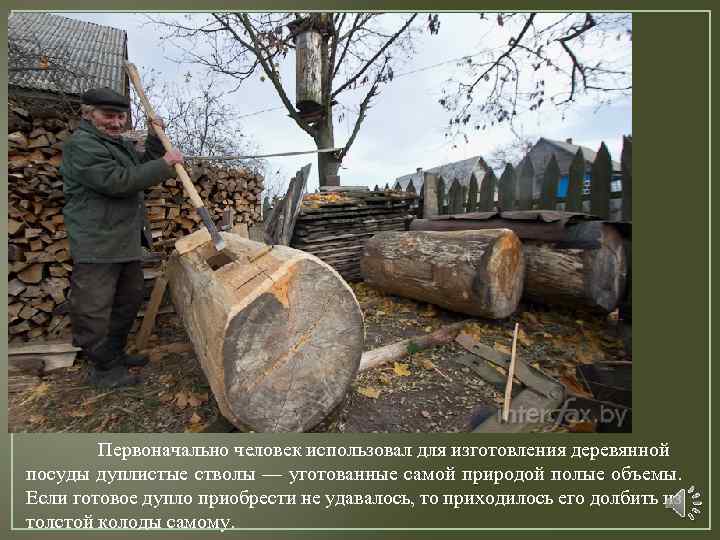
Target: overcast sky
[406,125]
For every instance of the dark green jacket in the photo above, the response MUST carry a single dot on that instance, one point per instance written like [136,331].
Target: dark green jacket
[104,179]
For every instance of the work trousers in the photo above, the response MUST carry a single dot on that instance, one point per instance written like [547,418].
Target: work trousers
[104,301]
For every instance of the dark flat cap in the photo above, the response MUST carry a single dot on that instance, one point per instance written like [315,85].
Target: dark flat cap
[106,98]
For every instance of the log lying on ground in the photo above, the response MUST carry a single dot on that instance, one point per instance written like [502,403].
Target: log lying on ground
[474,272]
[278,333]
[578,264]
[591,278]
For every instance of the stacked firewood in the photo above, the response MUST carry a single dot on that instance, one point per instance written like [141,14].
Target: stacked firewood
[38,252]
[235,192]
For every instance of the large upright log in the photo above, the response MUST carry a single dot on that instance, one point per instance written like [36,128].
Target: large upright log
[278,332]
[475,272]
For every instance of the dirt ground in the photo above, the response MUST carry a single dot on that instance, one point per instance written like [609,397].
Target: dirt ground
[428,391]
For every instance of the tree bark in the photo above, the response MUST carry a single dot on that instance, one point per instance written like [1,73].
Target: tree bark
[278,333]
[593,278]
[328,165]
[474,272]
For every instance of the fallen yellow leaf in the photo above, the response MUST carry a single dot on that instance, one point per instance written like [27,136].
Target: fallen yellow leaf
[181,400]
[195,418]
[401,369]
[80,413]
[36,392]
[195,400]
[502,348]
[523,338]
[367,391]
[427,364]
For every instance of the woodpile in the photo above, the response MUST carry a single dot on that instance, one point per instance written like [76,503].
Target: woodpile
[38,251]
[172,216]
[333,225]
[474,272]
[277,332]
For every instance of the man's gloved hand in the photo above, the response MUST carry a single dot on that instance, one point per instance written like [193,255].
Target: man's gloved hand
[173,156]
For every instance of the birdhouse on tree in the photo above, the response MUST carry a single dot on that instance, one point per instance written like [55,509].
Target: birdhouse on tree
[308,37]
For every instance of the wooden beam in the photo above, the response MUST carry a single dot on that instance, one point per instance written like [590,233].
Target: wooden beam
[151,312]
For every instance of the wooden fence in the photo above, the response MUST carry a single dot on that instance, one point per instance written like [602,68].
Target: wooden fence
[514,189]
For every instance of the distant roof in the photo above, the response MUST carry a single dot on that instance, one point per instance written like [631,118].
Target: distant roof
[85,55]
[460,170]
[588,154]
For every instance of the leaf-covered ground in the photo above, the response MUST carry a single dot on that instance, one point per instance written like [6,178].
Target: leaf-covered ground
[428,391]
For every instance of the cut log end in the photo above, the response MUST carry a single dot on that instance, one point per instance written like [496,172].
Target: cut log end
[593,279]
[278,333]
[505,274]
[291,354]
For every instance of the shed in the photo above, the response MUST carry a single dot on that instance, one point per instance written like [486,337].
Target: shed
[52,58]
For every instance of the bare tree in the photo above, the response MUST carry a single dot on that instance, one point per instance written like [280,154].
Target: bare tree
[548,59]
[357,50]
[512,152]
[199,120]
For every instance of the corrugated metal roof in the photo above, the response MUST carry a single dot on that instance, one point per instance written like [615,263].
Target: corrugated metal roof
[460,170]
[86,55]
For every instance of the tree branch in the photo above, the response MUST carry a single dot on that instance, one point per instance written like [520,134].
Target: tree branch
[375,56]
[272,75]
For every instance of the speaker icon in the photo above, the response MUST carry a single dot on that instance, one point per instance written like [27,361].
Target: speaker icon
[680,501]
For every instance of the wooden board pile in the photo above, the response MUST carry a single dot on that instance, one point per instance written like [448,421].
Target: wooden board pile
[334,225]
[38,252]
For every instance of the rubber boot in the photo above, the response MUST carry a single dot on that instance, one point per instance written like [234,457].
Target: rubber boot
[108,371]
[129,360]
[133,360]
[115,376]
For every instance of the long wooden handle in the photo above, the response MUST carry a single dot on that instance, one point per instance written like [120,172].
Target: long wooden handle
[187,183]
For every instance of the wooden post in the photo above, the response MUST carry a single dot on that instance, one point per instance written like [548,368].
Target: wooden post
[576,183]
[472,198]
[626,164]
[525,185]
[508,183]
[600,183]
[440,192]
[551,178]
[455,200]
[487,192]
[151,312]
[430,196]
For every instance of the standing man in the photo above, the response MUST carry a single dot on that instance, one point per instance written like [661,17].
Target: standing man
[104,178]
